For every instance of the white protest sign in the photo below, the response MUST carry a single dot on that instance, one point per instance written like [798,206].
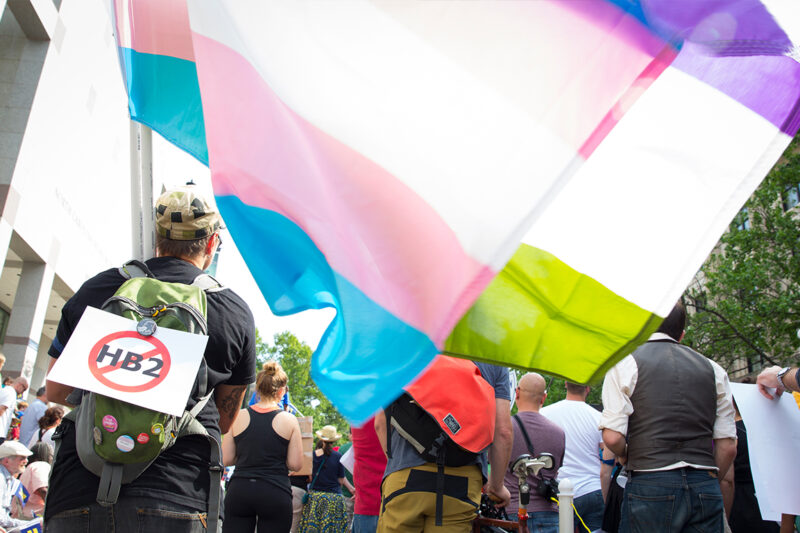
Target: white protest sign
[773,440]
[106,355]
[348,460]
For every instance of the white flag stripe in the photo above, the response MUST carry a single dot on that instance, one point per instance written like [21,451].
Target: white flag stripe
[645,210]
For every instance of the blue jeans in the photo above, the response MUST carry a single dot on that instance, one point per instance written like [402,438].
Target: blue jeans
[364,523]
[543,522]
[590,507]
[672,501]
[128,515]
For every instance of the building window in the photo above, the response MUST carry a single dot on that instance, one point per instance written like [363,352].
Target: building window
[742,220]
[791,196]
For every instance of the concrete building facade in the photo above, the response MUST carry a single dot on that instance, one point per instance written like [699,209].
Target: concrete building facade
[66,200]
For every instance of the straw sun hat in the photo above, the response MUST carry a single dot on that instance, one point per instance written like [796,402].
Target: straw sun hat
[328,434]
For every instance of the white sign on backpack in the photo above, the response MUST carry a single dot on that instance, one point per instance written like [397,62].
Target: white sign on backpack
[106,355]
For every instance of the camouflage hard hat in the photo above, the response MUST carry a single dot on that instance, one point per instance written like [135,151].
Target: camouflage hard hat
[183,215]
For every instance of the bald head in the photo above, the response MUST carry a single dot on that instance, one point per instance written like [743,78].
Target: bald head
[20,385]
[531,392]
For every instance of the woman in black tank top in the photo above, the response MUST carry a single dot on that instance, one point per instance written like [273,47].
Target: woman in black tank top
[264,444]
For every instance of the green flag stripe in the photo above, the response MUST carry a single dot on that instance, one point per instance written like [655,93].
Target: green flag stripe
[541,314]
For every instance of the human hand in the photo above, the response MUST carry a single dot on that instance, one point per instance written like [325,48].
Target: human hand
[768,379]
[499,495]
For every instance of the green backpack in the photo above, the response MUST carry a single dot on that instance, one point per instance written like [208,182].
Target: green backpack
[117,441]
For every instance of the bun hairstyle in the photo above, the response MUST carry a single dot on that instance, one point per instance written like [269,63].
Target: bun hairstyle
[51,417]
[270,379]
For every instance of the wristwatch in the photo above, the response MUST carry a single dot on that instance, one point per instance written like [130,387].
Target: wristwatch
[782,373]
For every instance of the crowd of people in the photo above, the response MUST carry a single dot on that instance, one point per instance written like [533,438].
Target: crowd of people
[665,451]
[656,456]
[26,455]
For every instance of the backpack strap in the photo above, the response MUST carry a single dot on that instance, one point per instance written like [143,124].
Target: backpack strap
[191,426]
[110,483]
[440,457]
[215,470]
[388,415]
[135,269]
[208,283]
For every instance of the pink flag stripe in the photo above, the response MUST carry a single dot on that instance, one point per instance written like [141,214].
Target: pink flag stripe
[411,264]
[159,27]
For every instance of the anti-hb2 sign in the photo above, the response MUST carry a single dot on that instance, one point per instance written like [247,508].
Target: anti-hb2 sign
[129,362]
[106,355]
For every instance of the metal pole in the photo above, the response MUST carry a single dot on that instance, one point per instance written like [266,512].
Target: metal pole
[148,201]
[565,495]
[141,151]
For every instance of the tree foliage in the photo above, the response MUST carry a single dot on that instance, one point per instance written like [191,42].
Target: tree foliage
[295,358]
[746,301]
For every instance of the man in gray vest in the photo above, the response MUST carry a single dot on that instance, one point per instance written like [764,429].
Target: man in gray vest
[668,416]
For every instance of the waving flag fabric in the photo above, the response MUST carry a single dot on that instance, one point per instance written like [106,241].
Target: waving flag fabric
[155,52]
[528,183]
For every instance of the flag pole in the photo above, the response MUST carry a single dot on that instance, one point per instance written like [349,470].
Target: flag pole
[143,229]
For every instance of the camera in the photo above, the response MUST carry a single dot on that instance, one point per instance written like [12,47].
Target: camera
[547,488]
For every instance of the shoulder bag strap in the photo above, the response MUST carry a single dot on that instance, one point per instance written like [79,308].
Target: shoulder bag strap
[317,474]
[525,435]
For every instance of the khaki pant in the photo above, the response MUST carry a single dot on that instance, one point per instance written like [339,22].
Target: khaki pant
[349,505]
[409,500]
[297,506]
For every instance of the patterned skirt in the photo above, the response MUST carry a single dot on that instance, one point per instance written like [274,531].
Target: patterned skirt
[323,512]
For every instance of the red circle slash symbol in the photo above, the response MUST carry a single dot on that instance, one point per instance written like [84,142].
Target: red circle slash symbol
[132,362]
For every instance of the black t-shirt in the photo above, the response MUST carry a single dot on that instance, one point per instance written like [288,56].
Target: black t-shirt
[179,475]
[741,464]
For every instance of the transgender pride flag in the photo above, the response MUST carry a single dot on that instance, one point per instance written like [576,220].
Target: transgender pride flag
[155,52]
[527,183]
